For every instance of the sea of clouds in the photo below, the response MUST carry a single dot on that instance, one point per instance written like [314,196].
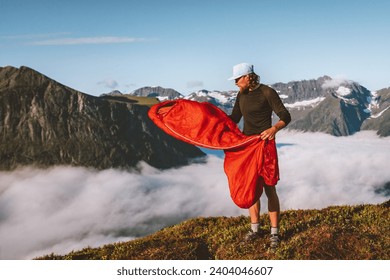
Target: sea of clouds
[69,208]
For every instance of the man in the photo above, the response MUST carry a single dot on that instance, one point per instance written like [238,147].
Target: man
[255,103]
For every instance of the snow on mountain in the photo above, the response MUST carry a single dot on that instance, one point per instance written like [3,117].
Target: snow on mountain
[374,106]
[283,96]
[374,116]
[158,92]
[222,99]
[335,106]
[343,91]
[373,103]
[305,103]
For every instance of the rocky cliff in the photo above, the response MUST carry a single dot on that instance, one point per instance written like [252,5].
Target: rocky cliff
[45,123]
[335,108]
[160,92]
[379,119]
[296,91]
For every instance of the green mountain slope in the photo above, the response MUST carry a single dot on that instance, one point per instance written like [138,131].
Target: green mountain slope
[334,233]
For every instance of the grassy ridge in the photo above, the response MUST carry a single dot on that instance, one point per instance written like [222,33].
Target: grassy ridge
[334,233]
[128,98]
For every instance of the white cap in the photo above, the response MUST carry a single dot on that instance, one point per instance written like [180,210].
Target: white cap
[241,69]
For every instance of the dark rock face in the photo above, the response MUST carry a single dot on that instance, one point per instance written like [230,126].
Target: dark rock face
[45,123]
[341,112]
[334,106]
[157,92]
[302,90]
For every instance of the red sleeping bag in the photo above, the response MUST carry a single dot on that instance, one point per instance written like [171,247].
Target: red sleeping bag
[249,161]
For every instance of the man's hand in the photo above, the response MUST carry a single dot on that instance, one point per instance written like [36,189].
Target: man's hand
[269,133]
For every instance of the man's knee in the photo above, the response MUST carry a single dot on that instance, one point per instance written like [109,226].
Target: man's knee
[269,190]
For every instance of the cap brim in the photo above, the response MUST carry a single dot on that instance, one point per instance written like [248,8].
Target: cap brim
[235,77]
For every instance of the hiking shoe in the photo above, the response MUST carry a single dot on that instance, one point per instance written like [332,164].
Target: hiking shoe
[250,236]
[274,241]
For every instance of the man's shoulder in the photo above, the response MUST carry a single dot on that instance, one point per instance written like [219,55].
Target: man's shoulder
[266,87]
[267,90]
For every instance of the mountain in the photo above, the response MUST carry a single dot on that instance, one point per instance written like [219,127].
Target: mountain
[301,91]
[45,123]
[380,113]
[158,92]
[334,233]
[222,99]
[333,106]
[337,107]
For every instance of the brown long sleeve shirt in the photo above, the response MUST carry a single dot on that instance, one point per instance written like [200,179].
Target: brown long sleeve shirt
[256,107]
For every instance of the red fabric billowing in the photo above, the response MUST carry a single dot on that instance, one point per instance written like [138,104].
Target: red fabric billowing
[249,161]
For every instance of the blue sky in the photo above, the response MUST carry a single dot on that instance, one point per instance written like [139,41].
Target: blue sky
[97,46]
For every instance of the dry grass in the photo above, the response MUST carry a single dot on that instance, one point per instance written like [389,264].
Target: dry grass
[127,98]
[334,233]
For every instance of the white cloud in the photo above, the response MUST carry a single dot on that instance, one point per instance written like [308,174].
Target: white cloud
[33,36]
[109,83]
[320,170]
[335,82]
[66,208]
[193,84]
[87,41]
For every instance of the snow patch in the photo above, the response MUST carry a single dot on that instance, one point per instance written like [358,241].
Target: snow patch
[379,114]
[220,97]
[305,103]
[373,104]
[343,91]
[162,98]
